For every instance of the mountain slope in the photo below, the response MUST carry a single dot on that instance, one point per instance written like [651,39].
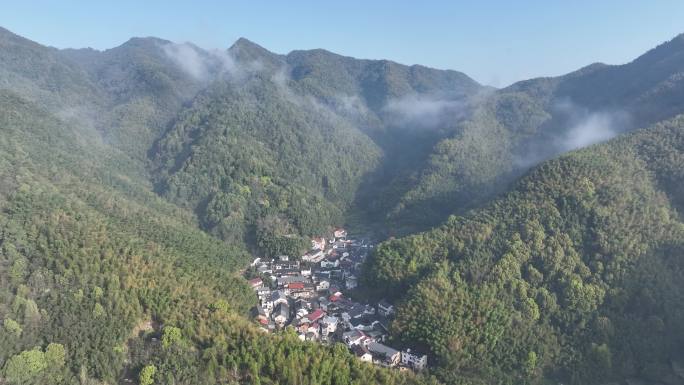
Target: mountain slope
[244,153]
[134,181]
[574,274]
[144,90]
[299,135]
[519,126]
[100,277]
[40,74]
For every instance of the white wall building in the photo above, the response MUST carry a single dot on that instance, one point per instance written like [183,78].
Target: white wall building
[413,360]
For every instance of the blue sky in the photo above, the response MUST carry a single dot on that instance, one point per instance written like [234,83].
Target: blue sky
[495,42]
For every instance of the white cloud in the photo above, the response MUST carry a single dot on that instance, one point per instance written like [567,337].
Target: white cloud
[188,58]
[203,64]
[422,110]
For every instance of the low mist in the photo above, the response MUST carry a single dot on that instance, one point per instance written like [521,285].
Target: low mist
[573,127]
[202,64]
[423,111]
[595,128]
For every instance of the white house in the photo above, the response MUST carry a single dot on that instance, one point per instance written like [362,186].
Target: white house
[255,283]
[385,309]
[413,360]
[301,313]
[313,256]
[276,297]
[322,285]
[354,337]
[288,279]
[340,233]
[328,324]
[281,314]
[351,282]
[263,293]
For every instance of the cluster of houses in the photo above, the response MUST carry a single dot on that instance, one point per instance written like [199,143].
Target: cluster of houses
[307,294]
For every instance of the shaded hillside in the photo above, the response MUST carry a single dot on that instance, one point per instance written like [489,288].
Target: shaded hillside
[575,274]
[356,132]
[40,74]
[423,143]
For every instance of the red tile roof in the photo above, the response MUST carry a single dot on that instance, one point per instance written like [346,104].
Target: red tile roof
[318,313]
[296,285]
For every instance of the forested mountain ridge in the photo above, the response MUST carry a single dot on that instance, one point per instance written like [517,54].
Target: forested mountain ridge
[251,154]
[135,182]
[572,275]
[433,142]
[141,93]
[103,281]
[514,128]
[328,120]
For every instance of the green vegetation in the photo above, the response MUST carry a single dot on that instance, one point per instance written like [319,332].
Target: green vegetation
[103,280]
[571,275]
[256,163]
[133,191]
[509,130]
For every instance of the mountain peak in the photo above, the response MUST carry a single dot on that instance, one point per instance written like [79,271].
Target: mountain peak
[245,50]
[144,42]
[243,45]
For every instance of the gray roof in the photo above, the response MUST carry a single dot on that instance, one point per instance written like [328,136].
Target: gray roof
[379,348]
[357,311]
[359,350]
[291,279]
[353,334]
[260,310]
[282,309]
[278,294]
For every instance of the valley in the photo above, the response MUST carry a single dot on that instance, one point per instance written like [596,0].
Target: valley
[307,294]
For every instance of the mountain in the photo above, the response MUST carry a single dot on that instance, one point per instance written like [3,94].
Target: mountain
[295,133]
[514,128]
[433,142]
[572,275]
[39,73]
[136,184]
[370,123]
[104,281]
[144,90]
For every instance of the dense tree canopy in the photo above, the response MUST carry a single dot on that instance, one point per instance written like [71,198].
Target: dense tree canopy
[133,193]
[555,278]
[103,280]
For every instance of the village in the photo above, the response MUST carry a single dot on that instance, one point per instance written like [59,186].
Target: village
[307,294]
